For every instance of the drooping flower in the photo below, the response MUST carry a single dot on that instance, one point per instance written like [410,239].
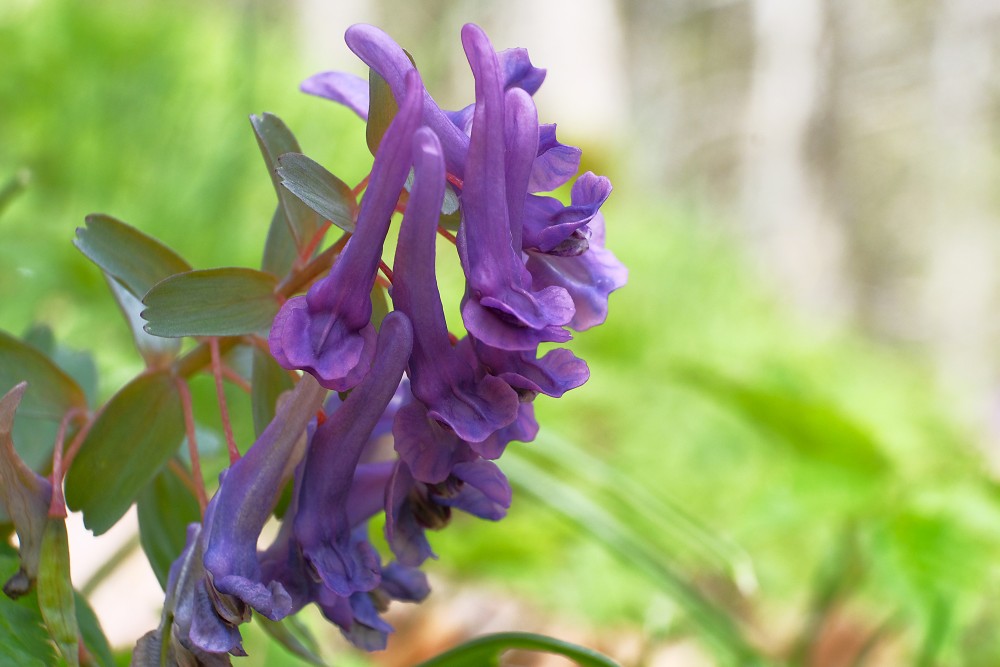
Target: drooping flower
[500,307]
[233,521]
[328,332]
[323,524]
[473,407]
[475,486]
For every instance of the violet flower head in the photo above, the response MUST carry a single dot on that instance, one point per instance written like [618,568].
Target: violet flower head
[500,308]
[328,332]
[473,407]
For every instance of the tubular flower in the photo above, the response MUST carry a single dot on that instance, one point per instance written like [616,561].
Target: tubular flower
[500,307]
[328,332]
[322,524]
[234,518]
[473,407]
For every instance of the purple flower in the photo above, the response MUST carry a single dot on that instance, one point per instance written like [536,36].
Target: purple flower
[194,632]
[472,407]
[284,561]
[553,375]
[475,486]
[383,55]
[234,518]
[328,332]
[552,228]
[500,307]
[589,277]
[323,524]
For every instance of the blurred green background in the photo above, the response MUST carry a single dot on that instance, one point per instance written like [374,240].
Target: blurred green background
[803,486]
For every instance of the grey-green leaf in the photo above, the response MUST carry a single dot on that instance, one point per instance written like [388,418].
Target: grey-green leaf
[299,643]
[92,634]
[280,252]
[165,508]
[157,351]
[275,139]
[51,391]
[212,302]
[320,190]
[136,260]
[269,380]
[138,431]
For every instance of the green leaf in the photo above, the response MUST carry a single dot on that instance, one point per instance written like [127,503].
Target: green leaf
[320,190]
[165,508]
[268,381]
[488,649]
[280,252]
[51,392]
[136,260]
[138,431]
[275,139]
[93,636]
[298,642]
[212,302]
[78,364]
[634,550]
[156,351]
[670,526]
[382,108]
[55,592]
[23,640]
[812,429]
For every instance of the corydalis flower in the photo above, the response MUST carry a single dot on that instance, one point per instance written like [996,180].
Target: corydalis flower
[474,485]
[323,524]
[500,307]
[473,407]
[234,518]
[328,332]
[588,277]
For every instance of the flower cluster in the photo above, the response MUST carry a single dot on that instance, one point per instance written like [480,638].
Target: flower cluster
[534,268]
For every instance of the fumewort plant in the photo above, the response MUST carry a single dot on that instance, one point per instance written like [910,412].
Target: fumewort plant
[366,405]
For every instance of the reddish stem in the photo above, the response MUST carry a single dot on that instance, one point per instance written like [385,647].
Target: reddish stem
[235,378]
[314,242]
[227,426]
[57,504]
[360,186]
[384,268]
[198,482]
[186,479]
[455,180]
[81,435]
[448,235]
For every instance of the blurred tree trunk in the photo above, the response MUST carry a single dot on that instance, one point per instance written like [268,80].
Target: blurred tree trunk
[791,226]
